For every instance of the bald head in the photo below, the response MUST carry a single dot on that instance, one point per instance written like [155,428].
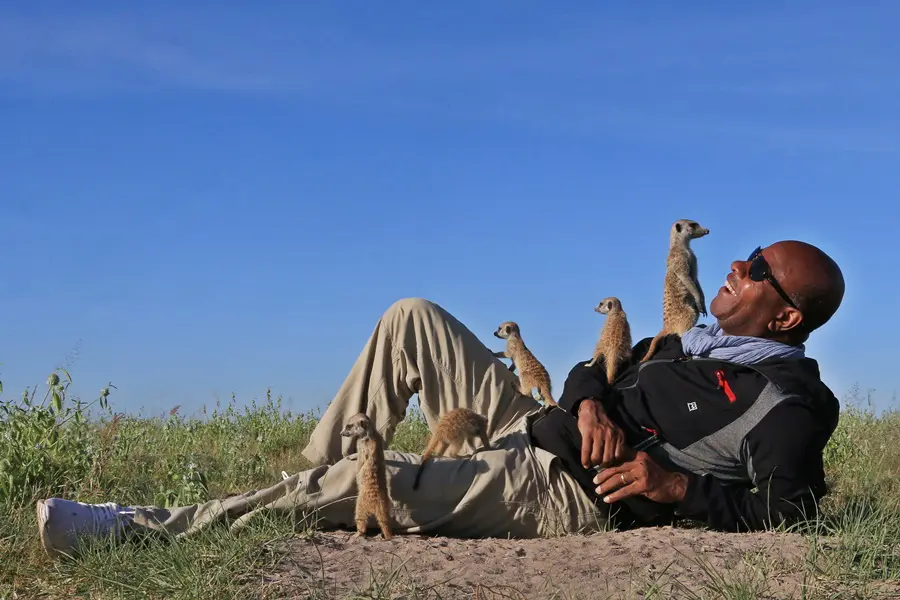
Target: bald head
[784,292]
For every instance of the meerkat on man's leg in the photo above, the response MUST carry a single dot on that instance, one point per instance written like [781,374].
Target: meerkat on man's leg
[614,344]
[454,429]
[532,374]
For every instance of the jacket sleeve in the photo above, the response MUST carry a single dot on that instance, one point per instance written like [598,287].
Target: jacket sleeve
[783,455]
[590,382]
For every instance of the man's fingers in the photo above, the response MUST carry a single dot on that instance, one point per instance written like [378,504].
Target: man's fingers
[617,448]
[587,442]
[633,488]
[608,451]
[611,478]
[620,452]
[597,451]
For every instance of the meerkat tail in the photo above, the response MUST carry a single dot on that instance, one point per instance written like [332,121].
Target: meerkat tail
[433,444]
[612,361]
[653,344]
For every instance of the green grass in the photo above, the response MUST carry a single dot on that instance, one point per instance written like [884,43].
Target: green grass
[54,445]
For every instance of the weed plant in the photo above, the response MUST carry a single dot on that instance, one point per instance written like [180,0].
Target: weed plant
[52,444]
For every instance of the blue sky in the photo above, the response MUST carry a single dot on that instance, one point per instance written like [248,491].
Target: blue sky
[199,201]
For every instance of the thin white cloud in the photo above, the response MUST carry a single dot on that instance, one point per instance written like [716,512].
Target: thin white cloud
[580,79]
[257,53]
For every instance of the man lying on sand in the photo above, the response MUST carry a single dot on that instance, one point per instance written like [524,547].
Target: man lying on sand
[725,426]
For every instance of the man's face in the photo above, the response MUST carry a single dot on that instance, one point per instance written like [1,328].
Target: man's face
[747,307]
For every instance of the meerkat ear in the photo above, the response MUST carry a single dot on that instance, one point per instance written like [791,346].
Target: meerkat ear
[678,227]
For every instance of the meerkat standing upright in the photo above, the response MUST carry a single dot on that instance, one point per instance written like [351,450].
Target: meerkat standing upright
[532,373]
[454,428]
[683,300]
[614,344]
[371,477]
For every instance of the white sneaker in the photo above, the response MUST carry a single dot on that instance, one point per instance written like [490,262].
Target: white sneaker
[61,522]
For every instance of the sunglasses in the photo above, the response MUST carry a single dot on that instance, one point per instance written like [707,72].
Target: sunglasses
[760,270]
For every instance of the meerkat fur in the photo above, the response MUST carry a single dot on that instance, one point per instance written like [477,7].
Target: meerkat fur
[453,430]
[614,344]
[372,497]
[683,300]
[532,374]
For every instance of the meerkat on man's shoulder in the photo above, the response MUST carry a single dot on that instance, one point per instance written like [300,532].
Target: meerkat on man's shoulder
[683,300]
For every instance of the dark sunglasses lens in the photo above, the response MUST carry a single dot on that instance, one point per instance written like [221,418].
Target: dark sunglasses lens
[755,253]
[759,268]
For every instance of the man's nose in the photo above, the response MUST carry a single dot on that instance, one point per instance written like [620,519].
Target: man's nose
[739,267]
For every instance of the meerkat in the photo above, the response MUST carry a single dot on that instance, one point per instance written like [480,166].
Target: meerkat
[371,476]
[683,300]
[532,373]
[452,431]
[615,338]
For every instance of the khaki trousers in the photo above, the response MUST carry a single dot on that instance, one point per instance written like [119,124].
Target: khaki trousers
[511,490]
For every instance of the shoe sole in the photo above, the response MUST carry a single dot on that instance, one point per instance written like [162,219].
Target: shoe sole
[42,534]
[52,550]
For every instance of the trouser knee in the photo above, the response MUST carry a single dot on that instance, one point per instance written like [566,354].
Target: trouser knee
[409,306]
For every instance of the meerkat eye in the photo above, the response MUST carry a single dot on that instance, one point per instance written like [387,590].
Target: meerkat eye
[678,227]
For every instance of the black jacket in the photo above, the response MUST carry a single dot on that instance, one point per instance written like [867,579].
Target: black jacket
[749,438]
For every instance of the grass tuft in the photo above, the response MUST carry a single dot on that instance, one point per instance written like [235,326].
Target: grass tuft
[52,444]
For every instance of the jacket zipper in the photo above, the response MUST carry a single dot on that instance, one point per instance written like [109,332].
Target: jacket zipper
[723,385]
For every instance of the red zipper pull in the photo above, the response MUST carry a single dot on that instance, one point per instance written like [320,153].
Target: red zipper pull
[723,385]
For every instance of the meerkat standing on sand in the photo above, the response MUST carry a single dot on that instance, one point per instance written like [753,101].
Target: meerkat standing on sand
[614,344]
[532,373]
[683,300]
[452,431]
[371,477]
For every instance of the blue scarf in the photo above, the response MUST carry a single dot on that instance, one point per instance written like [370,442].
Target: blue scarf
[711,342]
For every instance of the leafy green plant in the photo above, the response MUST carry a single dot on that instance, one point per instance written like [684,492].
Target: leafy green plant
[47,446]
[54,444]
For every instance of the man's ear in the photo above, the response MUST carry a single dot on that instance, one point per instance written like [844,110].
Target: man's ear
[788,319]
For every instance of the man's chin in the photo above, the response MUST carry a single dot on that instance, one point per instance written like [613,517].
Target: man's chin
[720,307]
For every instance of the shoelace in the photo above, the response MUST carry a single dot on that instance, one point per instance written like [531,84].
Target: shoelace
[102,514]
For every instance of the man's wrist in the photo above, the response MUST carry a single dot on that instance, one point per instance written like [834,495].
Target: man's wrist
[592,405]
[678,485]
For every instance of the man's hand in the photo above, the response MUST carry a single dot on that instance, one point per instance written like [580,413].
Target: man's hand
[602,442]
[641,476]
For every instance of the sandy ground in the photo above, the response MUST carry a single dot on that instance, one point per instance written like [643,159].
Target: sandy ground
[631,564]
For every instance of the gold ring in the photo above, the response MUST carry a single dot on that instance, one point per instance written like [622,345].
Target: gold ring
[622,475]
